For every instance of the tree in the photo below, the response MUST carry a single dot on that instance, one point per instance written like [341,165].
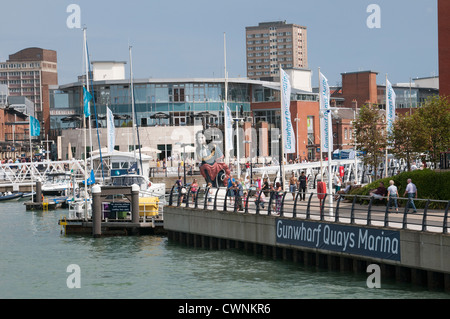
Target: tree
[371,134]
[432,122]
[405,139]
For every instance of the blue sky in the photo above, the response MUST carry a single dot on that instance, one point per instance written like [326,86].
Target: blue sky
[184,38]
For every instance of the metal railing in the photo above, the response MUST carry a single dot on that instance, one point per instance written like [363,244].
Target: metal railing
[431,215]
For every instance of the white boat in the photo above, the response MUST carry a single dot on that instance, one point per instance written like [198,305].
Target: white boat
[57,184]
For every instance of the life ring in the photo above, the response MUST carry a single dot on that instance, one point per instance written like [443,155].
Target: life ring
[321,190]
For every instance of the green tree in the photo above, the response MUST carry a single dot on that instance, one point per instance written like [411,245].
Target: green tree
[432,122]
[371,134]
[405,139]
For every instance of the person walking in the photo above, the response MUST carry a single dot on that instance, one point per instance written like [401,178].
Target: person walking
[392,195]
[293,185]
[302,181]
[411,192]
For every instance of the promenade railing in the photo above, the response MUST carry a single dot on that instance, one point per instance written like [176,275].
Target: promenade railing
[431,215]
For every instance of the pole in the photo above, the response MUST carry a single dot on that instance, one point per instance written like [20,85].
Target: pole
[84,126]
[330,146]
[132,107]
[87,88]
[356,157]
[237,145]
[227,153]
[320,131]
[283,125]
[387,130]
[31,161]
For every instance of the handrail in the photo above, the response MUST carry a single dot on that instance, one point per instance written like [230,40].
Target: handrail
[350,209]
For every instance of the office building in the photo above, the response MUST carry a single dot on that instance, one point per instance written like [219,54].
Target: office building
[271,44]
[29,73]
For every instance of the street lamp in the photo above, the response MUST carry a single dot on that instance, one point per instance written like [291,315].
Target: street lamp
[237,120]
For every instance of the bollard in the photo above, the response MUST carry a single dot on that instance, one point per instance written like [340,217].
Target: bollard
[135,203]
[38,197]
[96,211]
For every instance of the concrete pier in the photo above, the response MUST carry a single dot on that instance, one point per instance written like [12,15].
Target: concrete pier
[423,258]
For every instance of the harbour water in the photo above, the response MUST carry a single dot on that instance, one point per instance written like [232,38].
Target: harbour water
[35,256]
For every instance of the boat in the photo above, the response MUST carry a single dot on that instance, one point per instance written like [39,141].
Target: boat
[10,196]
[57,184]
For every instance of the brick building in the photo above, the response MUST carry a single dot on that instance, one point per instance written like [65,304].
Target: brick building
[444,46]
[29,73]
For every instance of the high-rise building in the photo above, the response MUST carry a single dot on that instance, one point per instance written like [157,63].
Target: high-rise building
[29,73]
[271,44]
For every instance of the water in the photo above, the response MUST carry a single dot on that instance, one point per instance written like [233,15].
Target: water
[34,257]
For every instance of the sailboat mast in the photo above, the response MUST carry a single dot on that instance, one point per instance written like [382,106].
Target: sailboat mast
[132,105]
[135,126]
[84,125]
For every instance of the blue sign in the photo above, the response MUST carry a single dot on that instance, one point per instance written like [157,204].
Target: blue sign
[369,242]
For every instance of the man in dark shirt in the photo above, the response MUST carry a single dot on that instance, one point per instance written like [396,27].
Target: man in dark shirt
[302,185]
[380,192]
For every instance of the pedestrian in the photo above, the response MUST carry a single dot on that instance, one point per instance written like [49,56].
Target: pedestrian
[337,182]
[302,185]
[411,192]
[239,194]
[392,195]
[209,194]
[260,198]
[194,188]
[278,191]
[293,185]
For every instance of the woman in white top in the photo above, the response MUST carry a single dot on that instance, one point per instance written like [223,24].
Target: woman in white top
[392,195]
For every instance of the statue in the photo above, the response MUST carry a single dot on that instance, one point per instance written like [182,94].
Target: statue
[212,167]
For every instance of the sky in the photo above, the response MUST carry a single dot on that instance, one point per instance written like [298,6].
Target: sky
[185,38]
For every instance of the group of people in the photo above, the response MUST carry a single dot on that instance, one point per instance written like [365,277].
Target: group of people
[391,193]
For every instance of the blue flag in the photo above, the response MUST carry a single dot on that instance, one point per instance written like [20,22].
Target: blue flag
[91,179]
[35,127]
[86,98]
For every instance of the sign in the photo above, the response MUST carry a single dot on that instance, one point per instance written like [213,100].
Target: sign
[119,207]
[369,242]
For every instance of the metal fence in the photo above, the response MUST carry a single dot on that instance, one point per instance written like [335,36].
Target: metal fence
[432,215]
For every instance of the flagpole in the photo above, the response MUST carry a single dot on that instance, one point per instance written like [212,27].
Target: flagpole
[226,147]
[31,161]
[84,125]
[320,132]
[283,125]
[387,129]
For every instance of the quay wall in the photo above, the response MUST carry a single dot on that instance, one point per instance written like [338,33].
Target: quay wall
[423,258]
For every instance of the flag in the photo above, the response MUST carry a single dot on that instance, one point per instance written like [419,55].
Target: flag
[228,122]
[91,179]
[35,127]
[110,130]
[325,121]
[390,105]
[86,98]
[286,123]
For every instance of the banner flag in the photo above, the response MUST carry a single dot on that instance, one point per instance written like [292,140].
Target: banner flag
[325,120]
[390,106]
[228,128]
[86,98]
[287,128]
[110,128]
[35,127]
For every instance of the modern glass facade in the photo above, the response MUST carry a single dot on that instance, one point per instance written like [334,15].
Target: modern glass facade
[407,97]
[176,103]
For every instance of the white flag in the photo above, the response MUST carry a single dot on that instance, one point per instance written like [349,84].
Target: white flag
[287,128]
[325,121]
[110,128]
[390,105]
[228,128]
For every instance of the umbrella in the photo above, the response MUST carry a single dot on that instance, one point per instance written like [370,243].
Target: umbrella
[159,116]
[186,149]
[148,149]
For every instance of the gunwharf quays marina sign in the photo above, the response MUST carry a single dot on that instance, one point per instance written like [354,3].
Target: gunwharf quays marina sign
[369,242]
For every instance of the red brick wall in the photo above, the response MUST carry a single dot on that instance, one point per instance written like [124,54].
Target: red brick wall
[359,86]
[444,46]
